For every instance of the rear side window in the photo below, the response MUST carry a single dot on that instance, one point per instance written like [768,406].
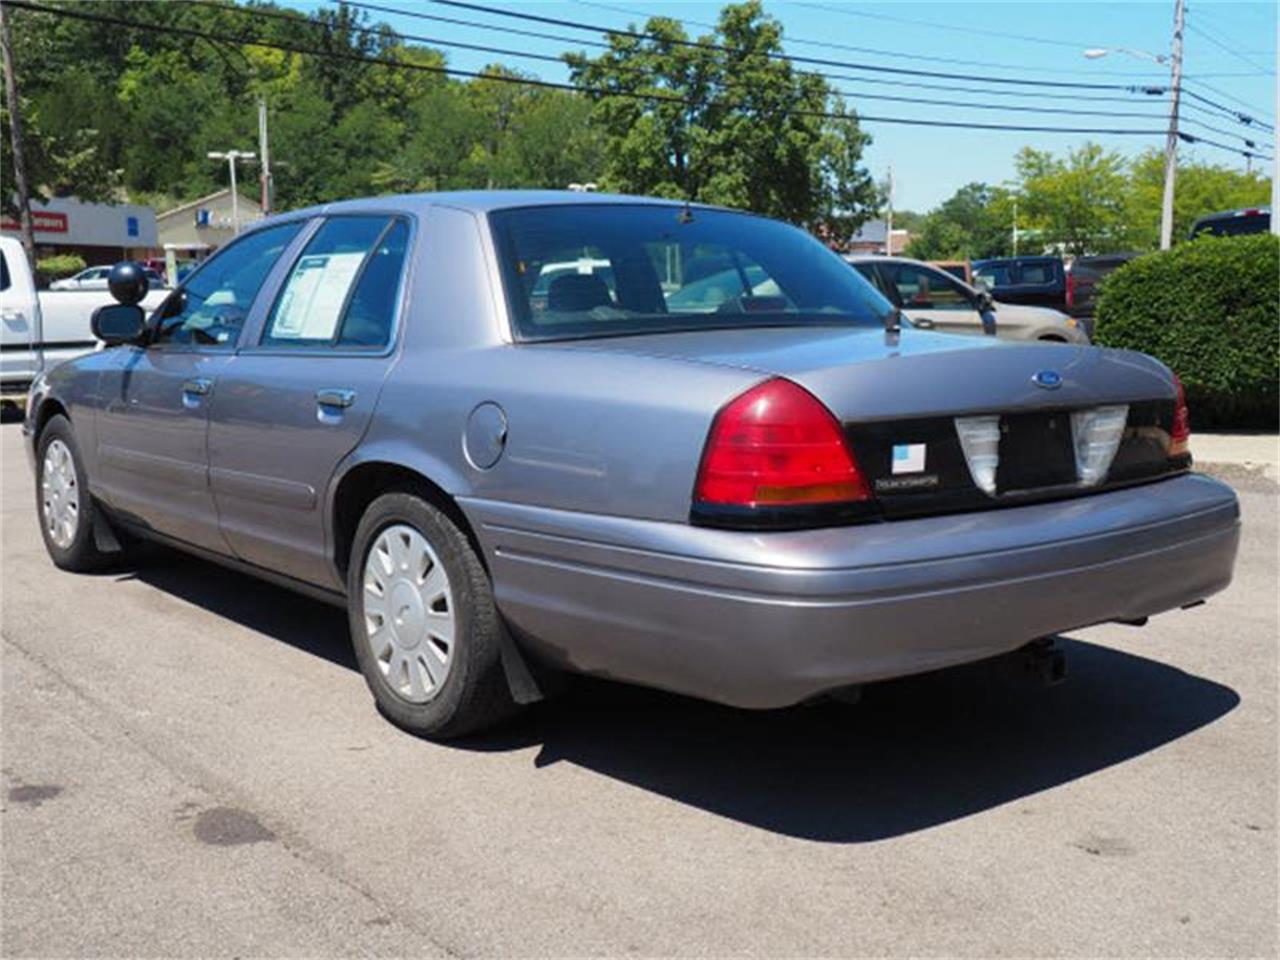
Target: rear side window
[344,286]
[994,275]
[1034,274]
[5,281]
[372,309]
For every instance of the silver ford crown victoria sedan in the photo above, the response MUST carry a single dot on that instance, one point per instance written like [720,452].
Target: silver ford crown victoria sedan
[520,433]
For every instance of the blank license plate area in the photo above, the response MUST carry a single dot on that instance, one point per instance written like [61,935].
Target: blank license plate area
[1036,450]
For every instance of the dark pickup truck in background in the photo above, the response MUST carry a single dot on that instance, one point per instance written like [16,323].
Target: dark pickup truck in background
[1047,282]
[1084,277]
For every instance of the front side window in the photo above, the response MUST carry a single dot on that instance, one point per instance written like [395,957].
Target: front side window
[608,270]
[344,287]
[926,289]
[210,310]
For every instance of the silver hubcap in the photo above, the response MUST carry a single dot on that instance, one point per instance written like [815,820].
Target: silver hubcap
[60,494]
[409,618]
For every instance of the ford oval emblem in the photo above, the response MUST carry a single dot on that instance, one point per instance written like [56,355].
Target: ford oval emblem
[1047,379]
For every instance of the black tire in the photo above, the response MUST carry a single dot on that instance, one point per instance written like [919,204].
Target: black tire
[474,694]
[81,554]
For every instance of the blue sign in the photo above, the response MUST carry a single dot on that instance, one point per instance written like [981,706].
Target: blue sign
[131,224]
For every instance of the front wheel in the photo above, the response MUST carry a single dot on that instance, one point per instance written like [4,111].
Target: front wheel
[65,508]
[426,632]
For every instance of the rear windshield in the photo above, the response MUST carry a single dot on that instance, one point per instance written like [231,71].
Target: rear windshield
[611,270]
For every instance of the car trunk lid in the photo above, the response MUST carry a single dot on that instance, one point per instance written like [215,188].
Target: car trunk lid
[942,423]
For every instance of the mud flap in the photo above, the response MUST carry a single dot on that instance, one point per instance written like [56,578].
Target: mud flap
[104,538]
[524,688]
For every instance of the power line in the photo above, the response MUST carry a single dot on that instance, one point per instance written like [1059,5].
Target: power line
[1244,118]
[721,48]
[547,58]
[1253,111]
[595,28]
[832,45]
[1200,31]
[916,84]
[1228,111]
[552,85]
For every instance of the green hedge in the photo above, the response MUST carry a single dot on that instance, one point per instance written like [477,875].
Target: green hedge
[1210,309]
[55,268]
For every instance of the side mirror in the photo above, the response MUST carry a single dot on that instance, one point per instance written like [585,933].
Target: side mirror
[118,323]
[128,282]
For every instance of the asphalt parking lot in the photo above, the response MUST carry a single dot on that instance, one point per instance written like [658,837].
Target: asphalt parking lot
[192,766]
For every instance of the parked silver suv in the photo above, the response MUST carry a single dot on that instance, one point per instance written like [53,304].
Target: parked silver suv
[935,300]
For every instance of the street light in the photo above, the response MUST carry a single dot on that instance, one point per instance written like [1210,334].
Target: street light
[231,156]
[1171,141]
[1096,53]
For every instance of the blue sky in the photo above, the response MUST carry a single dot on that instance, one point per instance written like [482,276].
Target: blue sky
[1229,51]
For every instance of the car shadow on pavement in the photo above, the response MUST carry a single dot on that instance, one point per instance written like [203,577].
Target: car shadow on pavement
[915,753]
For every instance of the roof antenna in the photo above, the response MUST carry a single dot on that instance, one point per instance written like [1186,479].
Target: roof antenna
[893,320]
[686,213]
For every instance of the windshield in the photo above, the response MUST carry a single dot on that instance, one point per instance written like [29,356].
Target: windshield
[610,270]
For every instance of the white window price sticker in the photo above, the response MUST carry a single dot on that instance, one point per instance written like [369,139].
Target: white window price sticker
[313,299]
[908,457]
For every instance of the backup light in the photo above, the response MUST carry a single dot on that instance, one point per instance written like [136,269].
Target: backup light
[980,441]
[1096,434]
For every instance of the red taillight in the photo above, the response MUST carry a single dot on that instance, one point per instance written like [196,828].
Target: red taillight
[1180,434]
[777,445]
[1071,289]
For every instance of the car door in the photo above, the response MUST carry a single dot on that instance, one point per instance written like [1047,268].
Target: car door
[152,428]
[933,298]
[298,399]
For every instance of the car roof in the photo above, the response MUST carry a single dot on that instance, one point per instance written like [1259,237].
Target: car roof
[1231,214]
[483,201]
[885,258]
[1019,259]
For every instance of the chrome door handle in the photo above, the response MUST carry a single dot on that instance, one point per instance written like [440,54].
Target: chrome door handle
[198,386]
[335,397]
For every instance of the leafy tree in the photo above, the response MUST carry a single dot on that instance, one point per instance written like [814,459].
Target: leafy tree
[726,121]
[1076,201]
[1201,188]
[975,222]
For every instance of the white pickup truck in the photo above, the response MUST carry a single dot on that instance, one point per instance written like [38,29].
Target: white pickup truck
[41,329]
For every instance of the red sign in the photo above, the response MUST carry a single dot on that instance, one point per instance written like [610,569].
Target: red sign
[42,221]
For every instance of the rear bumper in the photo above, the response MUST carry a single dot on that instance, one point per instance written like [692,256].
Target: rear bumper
[766,620]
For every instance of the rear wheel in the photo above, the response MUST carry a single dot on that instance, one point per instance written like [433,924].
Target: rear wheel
[424,625]
[67,511]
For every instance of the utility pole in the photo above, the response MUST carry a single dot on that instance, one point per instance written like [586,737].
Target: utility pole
[888,226]
[231,156]
[15,136]
[1015,224]
[1171,144]
[264,171]
[1275,179]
